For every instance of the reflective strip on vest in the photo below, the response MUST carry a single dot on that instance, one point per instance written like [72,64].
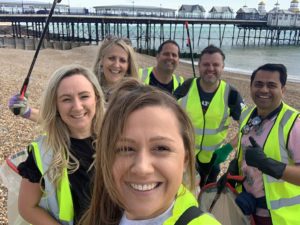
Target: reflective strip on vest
[145,73]
[244,114]
[214,137]
[283,151]
[57,201]
[184,200]
[276,204]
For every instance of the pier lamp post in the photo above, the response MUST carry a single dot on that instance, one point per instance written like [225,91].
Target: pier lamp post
[69,10]
[159,10]
[132,8]
[22,7]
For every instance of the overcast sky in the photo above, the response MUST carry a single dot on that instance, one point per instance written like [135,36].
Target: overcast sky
[175,4]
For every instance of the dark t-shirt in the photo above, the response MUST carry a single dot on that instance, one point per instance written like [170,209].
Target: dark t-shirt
[166,87]
[235,100]
[80,180]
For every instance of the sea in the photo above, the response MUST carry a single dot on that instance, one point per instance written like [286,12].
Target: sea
[244,60]
[239,58]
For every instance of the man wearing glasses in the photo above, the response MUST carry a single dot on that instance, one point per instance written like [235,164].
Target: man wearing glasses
[269,153]
[162,75]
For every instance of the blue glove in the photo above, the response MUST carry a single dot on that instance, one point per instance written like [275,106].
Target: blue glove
[256,157]
[246,202]
[17,102]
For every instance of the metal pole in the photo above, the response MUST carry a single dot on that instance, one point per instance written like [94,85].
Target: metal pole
[189,43]
[26,81]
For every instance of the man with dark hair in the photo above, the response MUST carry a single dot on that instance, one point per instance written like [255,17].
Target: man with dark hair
[271,67]
[268,153]
[162,75]
[210,102]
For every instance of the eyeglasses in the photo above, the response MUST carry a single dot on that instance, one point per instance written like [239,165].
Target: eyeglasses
[252,123]
[116,38]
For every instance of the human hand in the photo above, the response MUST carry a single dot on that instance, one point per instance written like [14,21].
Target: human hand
[256,157]
[18,105]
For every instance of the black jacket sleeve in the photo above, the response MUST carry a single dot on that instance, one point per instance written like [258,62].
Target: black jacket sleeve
[183,89]
[235,103]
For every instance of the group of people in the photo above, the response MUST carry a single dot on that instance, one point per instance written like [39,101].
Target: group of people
[116,151]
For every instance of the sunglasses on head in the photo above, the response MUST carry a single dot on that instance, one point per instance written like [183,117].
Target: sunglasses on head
[252,123]
[116,38]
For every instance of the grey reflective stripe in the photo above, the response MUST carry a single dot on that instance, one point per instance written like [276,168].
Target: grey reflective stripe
[285,202]
[283,151]
[49,200]
[245,113]
[184,101]
[273,180]
[178,79]
[210,131]
[209,148]
[282,145]
[226,115]
[144,75]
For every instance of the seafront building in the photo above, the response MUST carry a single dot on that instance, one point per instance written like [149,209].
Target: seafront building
[30,7]
[191,11]
[134,10]
[284,18]
[246,13]
[276,17]
[221,12]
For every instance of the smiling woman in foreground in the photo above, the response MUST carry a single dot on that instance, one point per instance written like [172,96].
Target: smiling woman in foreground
[144,150]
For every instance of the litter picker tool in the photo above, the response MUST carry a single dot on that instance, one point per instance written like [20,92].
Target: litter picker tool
[26,81]
[189,43]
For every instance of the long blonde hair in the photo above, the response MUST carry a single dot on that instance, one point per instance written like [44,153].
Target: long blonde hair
[58,134]
[105,48]
[130,95]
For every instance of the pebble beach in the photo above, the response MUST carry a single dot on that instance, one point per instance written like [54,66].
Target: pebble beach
[16,133]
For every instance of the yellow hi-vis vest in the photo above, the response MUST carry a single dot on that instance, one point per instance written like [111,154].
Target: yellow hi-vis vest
[144,75]
[56,200]
[283,198]
[184,200]
[210,128]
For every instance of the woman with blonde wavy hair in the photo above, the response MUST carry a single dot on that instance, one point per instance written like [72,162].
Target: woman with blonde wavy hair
[56,176]
[143,151]
[114,61]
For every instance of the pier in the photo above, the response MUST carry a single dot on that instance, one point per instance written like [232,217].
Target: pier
[146,33]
